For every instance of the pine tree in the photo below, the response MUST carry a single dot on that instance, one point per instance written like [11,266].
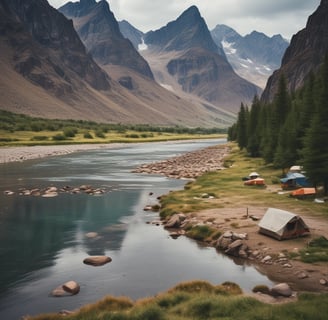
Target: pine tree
[242,127]
[269,133]
[286,152]
[254,127]
[315,142]
[281,102]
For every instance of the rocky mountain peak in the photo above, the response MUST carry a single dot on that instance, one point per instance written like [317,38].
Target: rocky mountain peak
[188,30]
[253,56]
[224,33]
[190,16]
[53,36]
[100,33]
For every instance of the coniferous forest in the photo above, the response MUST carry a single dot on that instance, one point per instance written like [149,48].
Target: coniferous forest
[290,130]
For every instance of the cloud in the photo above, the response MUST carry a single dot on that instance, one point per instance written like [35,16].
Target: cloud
[270,17]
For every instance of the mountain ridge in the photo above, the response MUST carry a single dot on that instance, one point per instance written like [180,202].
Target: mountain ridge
[48,73]
[191,61]
[253,56]
[304,55]
[98,29]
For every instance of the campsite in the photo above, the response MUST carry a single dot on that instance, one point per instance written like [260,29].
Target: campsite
[235,207]
[282,225]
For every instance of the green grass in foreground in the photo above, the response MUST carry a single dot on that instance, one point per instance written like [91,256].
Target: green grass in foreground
[200,300]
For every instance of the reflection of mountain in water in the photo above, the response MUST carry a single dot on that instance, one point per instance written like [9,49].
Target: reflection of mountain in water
[38,229]
[110,238]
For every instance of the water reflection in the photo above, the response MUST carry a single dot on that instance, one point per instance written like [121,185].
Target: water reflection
[43,241]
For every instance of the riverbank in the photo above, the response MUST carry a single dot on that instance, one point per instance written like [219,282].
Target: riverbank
[226,210]
[15,154]
[222,203]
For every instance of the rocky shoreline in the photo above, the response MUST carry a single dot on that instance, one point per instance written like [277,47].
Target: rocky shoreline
[190,165]
[262,251]
[265,253]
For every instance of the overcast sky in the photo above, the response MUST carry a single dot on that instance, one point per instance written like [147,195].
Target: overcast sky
[271,17]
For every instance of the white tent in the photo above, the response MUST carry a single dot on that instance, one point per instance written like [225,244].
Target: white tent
[281,224]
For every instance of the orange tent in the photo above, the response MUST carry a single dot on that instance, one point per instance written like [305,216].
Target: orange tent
[303,192]
[253,182]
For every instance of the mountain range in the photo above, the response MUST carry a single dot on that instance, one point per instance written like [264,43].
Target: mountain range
[253,56]
[78,62]
[184,58]
[48,72]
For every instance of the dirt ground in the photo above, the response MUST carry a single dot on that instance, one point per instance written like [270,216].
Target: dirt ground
[300,276]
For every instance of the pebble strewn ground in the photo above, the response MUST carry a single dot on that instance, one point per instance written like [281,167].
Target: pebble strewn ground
[190,165]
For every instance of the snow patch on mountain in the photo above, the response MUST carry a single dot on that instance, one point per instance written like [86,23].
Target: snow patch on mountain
[142,46]
[228,47]
[246,67]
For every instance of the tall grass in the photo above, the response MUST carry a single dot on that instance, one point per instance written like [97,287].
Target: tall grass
[199,300]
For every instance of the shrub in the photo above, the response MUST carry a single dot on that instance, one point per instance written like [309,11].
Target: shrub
[200,232]
[37,126]
[100,134]
[70,132]
[193,287]
[262,289]
[167,212]
[87,135]
[8,139]
[316,251]
[58,137]
[228,288]
[132,135]
[39,138]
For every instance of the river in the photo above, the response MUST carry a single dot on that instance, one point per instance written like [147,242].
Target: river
[43,240]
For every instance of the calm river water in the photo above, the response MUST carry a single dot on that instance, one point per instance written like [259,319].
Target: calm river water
[43,240]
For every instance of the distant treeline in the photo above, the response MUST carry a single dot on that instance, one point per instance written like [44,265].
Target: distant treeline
[18,122]
[293,129]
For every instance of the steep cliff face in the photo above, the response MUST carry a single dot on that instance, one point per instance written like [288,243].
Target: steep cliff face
[48,50]
[196,63]
[100,32]
[305,54]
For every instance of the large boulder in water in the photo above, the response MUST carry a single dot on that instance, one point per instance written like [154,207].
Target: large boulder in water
[97,260]
[69,288]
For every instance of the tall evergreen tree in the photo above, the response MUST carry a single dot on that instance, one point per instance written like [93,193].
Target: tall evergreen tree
[269,133]
[254,126]
[286,152]
[281,102]
[315,142]
[305,108]
[280,110]
[242,127]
